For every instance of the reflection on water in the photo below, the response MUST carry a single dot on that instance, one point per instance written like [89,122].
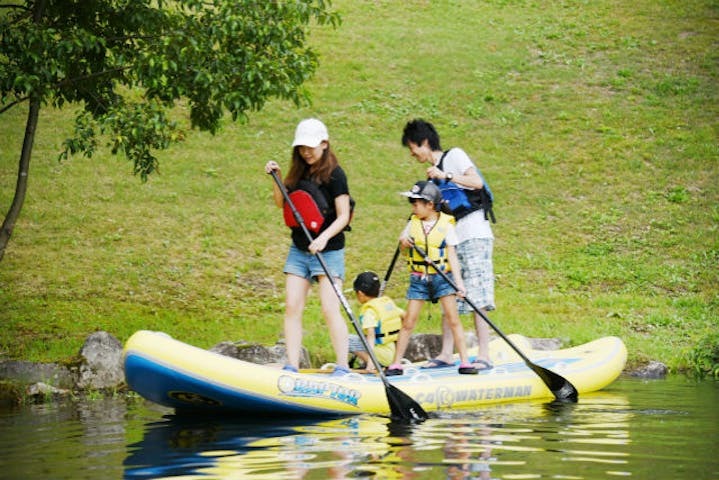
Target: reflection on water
[63,441]
[642,429]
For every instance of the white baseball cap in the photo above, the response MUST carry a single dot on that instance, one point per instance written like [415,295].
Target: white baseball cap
[310,132]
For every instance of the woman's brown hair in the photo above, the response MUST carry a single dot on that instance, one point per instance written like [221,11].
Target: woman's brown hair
[319,172]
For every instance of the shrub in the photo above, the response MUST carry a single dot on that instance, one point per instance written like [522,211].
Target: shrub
[704,357]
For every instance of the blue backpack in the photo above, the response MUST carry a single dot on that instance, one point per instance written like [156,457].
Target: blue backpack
[463,202]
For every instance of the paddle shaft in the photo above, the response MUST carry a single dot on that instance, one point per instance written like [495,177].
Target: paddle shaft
[383,285]
[560,387]
[413,411]
[397,250]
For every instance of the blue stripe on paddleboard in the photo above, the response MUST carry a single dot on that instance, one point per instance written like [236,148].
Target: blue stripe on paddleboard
[166,386]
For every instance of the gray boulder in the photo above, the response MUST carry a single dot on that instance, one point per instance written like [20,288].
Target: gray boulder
[23,372]
[423,346]
[99,367]
[101,362]
[260,354]
[44,390]
[653,369]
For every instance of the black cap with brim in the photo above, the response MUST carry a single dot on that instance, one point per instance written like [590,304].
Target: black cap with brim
[424,190]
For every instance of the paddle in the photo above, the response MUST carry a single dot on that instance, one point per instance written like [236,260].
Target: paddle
[383,285]
[401,405]
[562,389]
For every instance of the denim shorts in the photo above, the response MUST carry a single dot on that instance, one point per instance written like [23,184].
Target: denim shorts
[429,287]
[308,266]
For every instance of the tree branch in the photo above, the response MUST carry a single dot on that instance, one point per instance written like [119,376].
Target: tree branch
[65,83]
[12,104]
[69,81]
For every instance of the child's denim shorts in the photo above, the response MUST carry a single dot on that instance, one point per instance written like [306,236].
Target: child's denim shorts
[429,287]
[308,266]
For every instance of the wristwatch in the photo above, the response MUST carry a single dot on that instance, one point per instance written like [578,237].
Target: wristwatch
[449,177]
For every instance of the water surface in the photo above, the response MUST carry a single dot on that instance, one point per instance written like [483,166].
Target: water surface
[658,429]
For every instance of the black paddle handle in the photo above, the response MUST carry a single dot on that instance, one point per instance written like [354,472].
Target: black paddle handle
[397,250]
[383,285]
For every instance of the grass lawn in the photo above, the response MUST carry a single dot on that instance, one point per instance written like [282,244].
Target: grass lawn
[595,123]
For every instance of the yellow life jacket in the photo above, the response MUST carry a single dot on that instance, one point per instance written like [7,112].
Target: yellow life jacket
[388,316]
[434,243]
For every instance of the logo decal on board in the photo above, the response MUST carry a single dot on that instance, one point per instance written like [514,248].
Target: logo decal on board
[444,397]
[301,387]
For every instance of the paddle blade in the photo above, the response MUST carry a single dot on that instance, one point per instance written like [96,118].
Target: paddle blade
[402,406]
[562,389]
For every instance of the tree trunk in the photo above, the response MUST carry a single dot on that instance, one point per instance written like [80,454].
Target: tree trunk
[23,170]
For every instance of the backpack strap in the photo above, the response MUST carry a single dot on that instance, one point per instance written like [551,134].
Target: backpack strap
[441,160]
[312,206]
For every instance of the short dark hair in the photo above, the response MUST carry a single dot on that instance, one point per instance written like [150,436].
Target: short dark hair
[367,283]
[417,131]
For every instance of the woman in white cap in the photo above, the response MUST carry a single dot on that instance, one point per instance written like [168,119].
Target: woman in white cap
[314,161]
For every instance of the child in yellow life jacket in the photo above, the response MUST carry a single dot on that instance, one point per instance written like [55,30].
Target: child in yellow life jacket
[380,318]
[432,231]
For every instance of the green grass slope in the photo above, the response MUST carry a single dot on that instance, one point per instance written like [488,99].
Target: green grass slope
[595,124]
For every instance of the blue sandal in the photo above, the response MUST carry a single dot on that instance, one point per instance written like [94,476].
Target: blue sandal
[483,365]
[437,363]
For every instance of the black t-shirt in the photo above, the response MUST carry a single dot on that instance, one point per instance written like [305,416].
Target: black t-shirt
[336,186]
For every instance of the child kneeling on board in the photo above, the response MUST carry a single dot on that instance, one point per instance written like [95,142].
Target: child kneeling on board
[380,319]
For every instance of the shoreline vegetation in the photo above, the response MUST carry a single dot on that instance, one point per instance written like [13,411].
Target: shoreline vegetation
[595,124]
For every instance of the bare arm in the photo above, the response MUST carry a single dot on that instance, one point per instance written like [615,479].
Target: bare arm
[404,239]
[342,207]
[470,178]
[456,269]
[369,335]
[276,192]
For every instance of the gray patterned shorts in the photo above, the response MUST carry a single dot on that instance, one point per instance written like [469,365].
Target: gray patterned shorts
[475,257]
